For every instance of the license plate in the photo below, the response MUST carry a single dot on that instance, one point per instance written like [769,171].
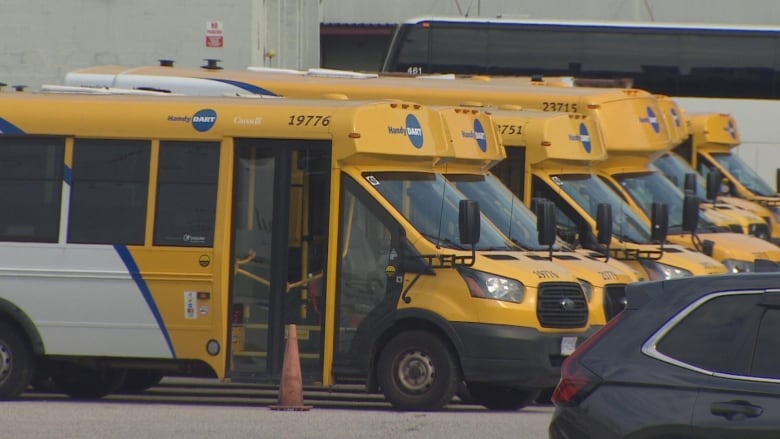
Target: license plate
[568,344]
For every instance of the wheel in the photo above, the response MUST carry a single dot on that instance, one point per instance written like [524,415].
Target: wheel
[138,380]
[82,382]
[497,397]
[417,371]
[17,362]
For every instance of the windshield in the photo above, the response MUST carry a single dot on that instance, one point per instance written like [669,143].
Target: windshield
[588,191]
[647,188]
[675,169]
[651,187]
[501,206]
[430,203]
[744,174]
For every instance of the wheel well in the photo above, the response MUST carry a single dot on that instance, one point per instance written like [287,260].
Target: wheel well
[15,316]
[403,325]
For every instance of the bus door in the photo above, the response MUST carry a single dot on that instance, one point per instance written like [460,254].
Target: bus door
[280,222]
[368,281]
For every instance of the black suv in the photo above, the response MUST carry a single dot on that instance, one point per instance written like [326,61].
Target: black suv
[697,357]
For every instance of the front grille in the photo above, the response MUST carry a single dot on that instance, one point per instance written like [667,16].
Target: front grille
[562,305]
[735,228]
[614,300]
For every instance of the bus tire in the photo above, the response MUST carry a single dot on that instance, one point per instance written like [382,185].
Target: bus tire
[417,371]
[17,362]
[496,397]
[81,382]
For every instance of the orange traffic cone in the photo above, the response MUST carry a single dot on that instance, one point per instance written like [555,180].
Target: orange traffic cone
[291,386]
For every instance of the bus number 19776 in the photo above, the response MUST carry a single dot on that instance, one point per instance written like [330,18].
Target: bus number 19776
[309,120]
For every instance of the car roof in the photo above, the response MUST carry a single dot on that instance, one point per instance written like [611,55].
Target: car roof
[680,292]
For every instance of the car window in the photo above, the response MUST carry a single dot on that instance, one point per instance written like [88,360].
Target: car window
[766,361]
[717,336]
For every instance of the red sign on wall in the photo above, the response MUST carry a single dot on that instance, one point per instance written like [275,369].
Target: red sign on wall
[214,36]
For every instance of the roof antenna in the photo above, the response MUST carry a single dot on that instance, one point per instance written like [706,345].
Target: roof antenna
[212,64]
[19,87]
[166,62]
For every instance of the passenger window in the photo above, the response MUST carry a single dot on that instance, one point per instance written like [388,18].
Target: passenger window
[725,324]
[31,172]
[766,361]
[186,194]
[109,191]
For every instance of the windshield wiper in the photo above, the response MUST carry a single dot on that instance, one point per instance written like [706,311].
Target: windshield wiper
[438,240]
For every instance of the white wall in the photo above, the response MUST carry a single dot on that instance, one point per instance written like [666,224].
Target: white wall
[42,40]
[707,11]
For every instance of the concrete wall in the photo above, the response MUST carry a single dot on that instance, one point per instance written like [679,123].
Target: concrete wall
[42,40]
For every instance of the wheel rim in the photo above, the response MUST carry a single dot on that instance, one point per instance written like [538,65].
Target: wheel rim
[5,362]
[416,371]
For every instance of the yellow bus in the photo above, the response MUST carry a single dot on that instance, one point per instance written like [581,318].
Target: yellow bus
[711,146]
[609,104]
[557,154]
[723,215]
[146,235]
[603,279]
[629,172]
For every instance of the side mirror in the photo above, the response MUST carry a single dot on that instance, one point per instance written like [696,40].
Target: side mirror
[690,183]
[659,219]
[690,217]
[535,202]
[545,222]
[714,181]
[604,223]
[469,222]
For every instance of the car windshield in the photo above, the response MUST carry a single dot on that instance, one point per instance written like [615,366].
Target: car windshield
[589,191]
[743,173]
[430,203]
[501,206]
[675,168]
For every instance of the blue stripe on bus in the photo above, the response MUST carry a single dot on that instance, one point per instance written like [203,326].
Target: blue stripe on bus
[135,273]
[67,175]
[9,128]
[243,85]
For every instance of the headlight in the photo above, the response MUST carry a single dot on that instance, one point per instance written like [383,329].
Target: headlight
[491,286]
[659,271]
[587,288]
[737,266]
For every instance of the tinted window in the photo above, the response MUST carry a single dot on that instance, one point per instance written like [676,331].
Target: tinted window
[716,336]
[30,188]
[766,360]
[457,50]
[410,50]
[109,191]
[186,194]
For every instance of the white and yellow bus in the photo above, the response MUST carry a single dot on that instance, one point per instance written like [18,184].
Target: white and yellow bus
[145,235]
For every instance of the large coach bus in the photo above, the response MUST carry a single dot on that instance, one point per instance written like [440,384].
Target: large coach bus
[164,234]
[732,69]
